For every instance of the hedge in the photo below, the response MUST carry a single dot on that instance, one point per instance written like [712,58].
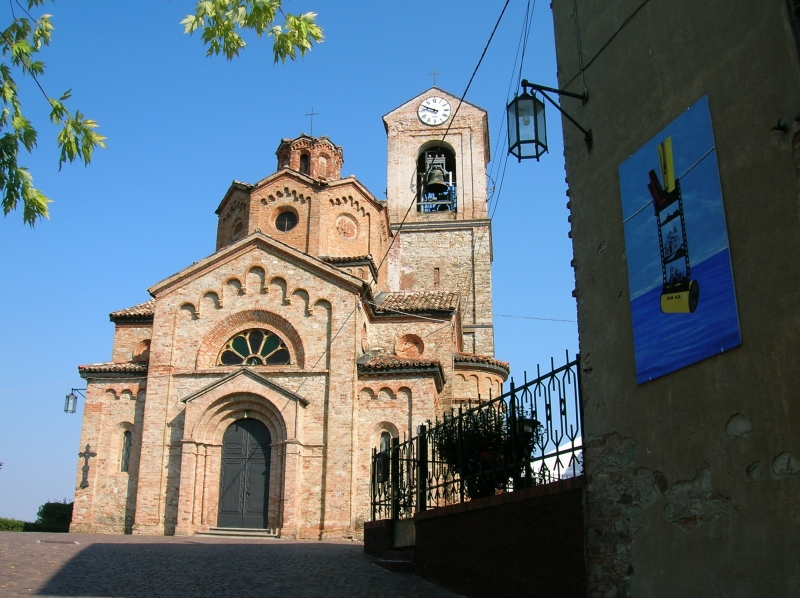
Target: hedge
[53,517]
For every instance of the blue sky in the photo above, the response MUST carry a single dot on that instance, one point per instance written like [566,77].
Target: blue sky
[181,126]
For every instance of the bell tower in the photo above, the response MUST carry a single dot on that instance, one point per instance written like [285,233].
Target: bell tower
[445,241]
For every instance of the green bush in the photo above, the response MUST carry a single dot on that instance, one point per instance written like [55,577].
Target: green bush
[482,452]
[53,517]
[11,525]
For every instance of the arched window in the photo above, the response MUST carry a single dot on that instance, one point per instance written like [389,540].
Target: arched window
[142,352]
[238,227]
[386,442]
[382,467]
[303,163]
[254,347]
[127,438]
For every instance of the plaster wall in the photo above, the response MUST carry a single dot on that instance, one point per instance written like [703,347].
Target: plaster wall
[692,478]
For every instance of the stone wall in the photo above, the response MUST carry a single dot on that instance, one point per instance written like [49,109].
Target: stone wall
[108,504]
[524,543]
[302,309]
[127,339]
[455,257]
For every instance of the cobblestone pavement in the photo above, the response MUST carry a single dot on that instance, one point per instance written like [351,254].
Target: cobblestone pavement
[36,564]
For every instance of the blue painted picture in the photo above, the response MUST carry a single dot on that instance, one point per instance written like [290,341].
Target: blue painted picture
[679,268]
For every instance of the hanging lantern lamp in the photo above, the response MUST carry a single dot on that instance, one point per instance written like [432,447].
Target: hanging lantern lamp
[527,128]
[71,400]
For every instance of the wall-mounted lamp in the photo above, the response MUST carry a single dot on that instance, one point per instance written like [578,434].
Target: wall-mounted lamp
[527,131]
[71,400]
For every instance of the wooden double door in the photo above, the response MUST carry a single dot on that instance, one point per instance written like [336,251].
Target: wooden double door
[244,478]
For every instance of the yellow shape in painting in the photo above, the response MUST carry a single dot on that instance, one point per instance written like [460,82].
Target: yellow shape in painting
[667,164]
[681,302]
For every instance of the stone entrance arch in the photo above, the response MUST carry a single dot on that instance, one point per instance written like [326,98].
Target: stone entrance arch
[208,417]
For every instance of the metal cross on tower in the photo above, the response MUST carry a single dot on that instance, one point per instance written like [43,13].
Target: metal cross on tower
[434,74]
[85,454]
[312,114]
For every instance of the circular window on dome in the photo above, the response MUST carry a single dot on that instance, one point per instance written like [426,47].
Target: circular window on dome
[254,347]
[286,221]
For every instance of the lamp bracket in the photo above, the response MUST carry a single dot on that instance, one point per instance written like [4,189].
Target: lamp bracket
[584,97]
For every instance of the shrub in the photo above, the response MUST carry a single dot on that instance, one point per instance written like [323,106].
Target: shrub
[11,525]
[486,457]
[53,517]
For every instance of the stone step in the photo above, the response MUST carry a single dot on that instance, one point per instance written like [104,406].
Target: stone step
[239,532]
[396,566]
[398,554]
[397,560]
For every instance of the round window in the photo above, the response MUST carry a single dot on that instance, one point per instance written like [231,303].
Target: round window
[286,221]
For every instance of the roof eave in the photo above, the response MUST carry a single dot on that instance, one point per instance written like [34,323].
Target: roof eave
[91,373]
[486,367]
[437,372]
[131,319]
[235,186]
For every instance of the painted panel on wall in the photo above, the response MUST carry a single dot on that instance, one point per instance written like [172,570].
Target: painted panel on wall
[682,296]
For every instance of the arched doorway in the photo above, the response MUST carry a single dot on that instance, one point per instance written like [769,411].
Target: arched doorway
[244,478]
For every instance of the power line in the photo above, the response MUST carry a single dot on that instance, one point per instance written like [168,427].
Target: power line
[521,45]
[441,141]
[36,387]
[532,318]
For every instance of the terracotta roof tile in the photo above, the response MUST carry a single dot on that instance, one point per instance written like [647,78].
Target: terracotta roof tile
[331,259]
[354,261]
[417,302]
[481,359]
[143,311]
[390,364]
[112,368]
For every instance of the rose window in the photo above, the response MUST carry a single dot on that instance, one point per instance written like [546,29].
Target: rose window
[254,347]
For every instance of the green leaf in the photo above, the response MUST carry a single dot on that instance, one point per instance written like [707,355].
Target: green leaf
[221,22]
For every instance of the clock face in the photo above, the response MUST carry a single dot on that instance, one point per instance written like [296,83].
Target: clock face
[434,111]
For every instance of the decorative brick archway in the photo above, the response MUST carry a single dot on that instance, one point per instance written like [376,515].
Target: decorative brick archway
[227,327]
[208,417]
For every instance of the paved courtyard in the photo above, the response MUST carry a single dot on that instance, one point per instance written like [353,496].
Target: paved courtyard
[35,564]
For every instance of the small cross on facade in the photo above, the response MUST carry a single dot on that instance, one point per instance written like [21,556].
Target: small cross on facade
[85,455]
[434,74]
[312,114]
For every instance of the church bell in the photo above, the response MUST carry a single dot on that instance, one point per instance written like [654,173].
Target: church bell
[435,182]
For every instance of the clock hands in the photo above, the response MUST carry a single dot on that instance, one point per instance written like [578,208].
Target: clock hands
[433,111]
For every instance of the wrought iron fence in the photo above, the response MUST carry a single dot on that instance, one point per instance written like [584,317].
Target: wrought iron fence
[530,435]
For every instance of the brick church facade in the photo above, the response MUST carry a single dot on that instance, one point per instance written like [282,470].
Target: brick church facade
[251,389]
